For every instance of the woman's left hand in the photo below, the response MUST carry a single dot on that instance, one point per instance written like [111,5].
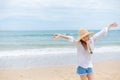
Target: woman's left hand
[112,25]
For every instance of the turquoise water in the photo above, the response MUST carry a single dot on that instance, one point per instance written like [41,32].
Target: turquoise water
[37,48]
[38,39]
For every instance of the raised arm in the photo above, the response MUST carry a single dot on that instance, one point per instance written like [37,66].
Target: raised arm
[104,31]
[56,36]
[69,38]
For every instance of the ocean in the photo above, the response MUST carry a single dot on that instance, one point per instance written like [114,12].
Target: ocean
[37,48]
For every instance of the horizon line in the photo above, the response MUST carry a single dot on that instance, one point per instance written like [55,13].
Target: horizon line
[52,30]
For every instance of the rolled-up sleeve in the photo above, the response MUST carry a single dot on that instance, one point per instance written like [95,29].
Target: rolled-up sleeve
[98,35]
[72,40]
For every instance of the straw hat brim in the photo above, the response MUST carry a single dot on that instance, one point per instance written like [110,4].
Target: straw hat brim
[88,33]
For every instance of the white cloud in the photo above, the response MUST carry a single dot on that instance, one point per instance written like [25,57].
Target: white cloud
[87,4]
[39,6]
[54,9]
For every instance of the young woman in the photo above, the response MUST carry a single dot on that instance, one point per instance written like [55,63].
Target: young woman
[85,46]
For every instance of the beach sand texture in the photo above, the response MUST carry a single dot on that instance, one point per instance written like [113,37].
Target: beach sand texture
[103,70]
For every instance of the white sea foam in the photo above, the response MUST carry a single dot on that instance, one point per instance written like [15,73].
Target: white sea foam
[41,51]
[107,49]
[56,51]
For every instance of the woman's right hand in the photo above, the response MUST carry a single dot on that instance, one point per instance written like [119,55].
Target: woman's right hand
[56,36]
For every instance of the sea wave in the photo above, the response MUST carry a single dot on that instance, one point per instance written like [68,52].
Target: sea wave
[55,51]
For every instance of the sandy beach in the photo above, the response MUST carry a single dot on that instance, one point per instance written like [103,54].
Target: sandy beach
[103,70]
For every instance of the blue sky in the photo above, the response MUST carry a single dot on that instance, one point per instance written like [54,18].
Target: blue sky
[57,14]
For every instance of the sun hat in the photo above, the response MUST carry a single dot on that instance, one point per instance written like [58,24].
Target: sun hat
[84,32]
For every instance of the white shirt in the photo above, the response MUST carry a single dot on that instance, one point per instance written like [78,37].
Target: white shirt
[83,56]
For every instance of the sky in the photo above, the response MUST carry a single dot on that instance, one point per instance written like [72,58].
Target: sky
[58,14]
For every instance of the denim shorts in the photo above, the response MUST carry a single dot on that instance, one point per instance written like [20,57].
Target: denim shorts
[84,71]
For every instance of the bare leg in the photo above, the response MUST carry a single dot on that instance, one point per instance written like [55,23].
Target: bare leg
[90,76]
[83,77]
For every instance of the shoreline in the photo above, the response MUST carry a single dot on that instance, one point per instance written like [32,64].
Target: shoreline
[103,70]
[50,60]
